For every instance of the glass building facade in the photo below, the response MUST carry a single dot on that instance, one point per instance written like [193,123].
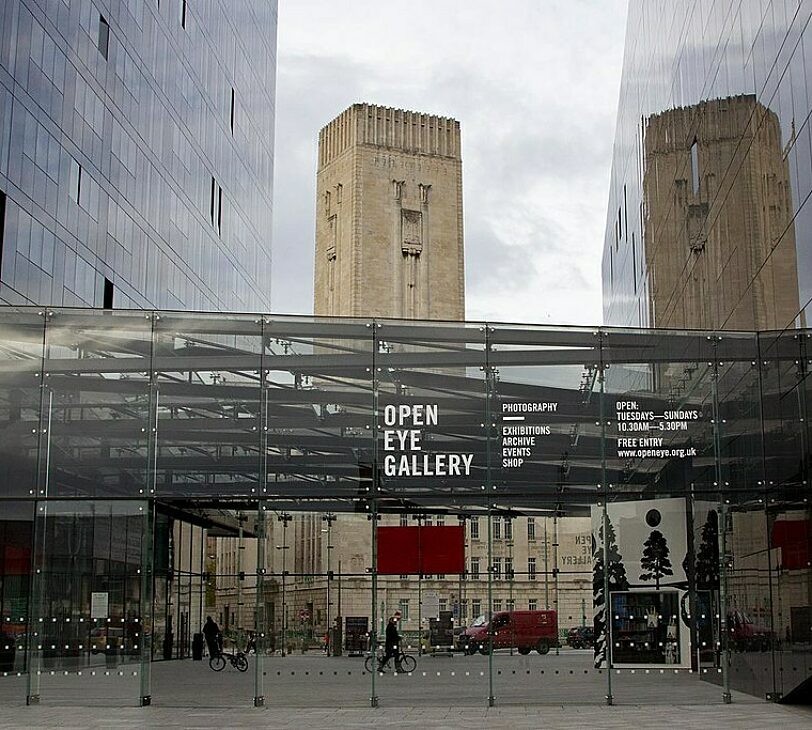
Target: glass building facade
[619,513]
[709,220]
[136,153]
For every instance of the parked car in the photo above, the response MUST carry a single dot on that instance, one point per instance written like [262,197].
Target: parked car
[522,630]
[581,637]
[746,634]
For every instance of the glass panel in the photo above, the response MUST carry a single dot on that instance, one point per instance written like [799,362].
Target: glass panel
[86,615]
[16,539]
[207,583]
[208,405]
[319,451]
[22,334]
[746,603]
[660,456]
[318,608]
[546,409]
[208,416]
[96,403]
[432,485]
[784,369]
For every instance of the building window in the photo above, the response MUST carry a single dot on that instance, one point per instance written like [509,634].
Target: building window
[104,36]
[695,167]
[440,576]
[444,604]
[476,608]
[531,568]
[404,576]
[532,604]
[440,520]
[182,13]
[75,188]
[475,528]
[211,200]
[509,568]
[108,293]
[2,225]
[474,568]
[531,528]
[216,205]
[427,521]
[508,528]
[497,568]
[497,528]
[497,605]
[510,604]
[404,520]
[403,605]
[219,209]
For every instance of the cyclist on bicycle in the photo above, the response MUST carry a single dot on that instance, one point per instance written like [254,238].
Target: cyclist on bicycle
[392,643]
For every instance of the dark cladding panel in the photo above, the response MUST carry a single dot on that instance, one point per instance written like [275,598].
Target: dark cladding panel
[398,550]
[421,550]
[442,550]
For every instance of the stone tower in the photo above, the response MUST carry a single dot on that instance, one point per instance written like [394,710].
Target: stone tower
[389,216]
[717,211]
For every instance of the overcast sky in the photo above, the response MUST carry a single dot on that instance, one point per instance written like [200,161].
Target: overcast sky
[534,84]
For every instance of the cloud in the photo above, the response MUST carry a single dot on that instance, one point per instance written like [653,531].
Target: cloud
[534,86]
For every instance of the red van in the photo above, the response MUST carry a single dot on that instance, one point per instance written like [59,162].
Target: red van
[522,630]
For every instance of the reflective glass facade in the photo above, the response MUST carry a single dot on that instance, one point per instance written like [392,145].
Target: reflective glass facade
[709,220]
[136,153]
[612,513]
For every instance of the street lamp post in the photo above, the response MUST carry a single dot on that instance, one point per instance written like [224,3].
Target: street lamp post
[329,518]
[546,569]
[284,518]
[460,577]
[555,571]
[240,548]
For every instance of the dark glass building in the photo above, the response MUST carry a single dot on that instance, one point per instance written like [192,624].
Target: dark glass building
[136,153]
[709,221]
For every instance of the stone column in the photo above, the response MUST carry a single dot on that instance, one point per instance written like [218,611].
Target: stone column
[424,290]
[397,244]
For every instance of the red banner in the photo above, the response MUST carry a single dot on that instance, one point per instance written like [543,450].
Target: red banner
[426,550]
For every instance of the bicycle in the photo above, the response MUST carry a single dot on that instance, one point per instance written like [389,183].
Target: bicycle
[238,660]
[406,662]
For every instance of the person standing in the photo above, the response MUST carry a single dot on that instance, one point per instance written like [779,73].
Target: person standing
[211,632]
[252,643]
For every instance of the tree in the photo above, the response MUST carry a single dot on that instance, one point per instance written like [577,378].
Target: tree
[655,562]
[706,567]
[617,582]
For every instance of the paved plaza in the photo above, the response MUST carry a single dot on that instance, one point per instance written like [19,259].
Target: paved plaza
[315,691]
[740,716]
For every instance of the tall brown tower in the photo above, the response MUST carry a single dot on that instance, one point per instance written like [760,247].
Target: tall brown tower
[389,216]
[720,241]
